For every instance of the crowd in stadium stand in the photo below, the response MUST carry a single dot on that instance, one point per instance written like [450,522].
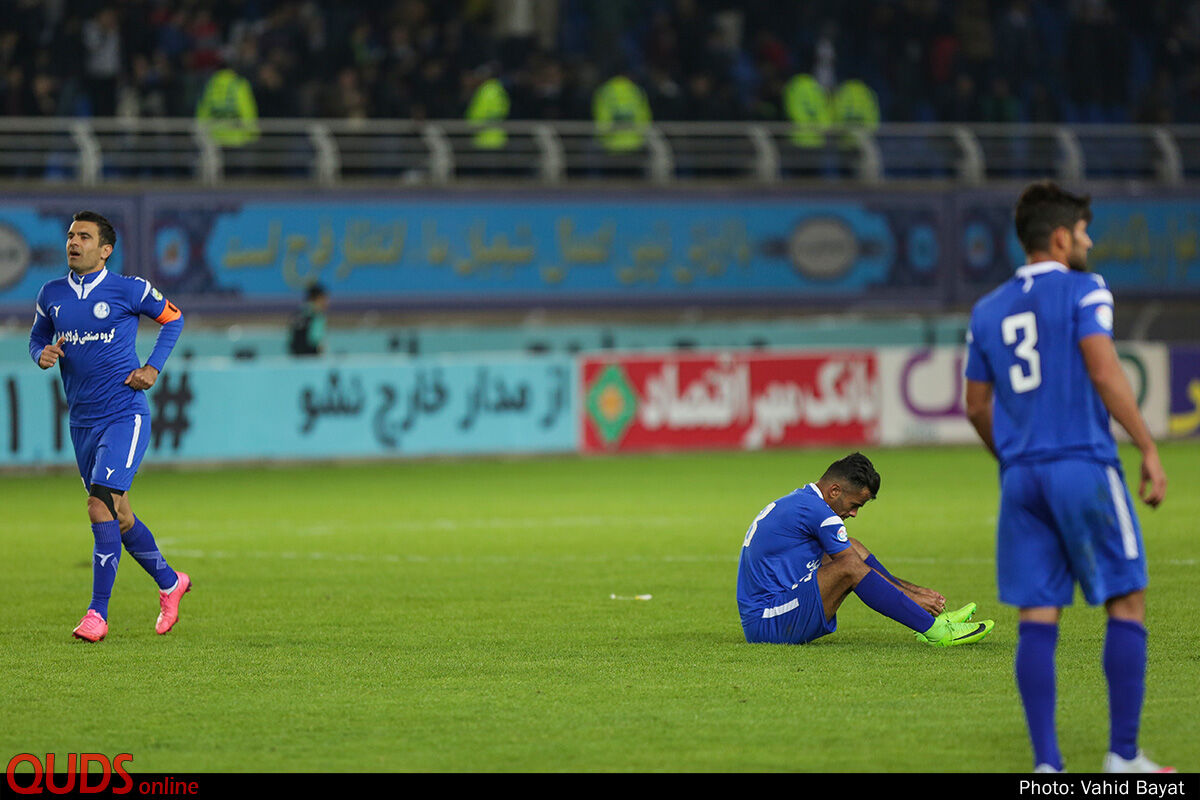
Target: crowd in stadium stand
[927,60]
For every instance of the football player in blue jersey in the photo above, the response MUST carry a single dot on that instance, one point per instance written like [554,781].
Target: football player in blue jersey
[86,322]
[1043,378]
[798,565]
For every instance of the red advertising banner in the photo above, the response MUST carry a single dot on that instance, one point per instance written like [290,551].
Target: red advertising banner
[729,400]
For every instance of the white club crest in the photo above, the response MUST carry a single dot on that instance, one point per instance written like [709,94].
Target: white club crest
[100,310]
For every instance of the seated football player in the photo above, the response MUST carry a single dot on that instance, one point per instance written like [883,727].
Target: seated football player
[798,566]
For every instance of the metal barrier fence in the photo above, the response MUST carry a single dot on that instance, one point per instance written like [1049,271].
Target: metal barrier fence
[327,152]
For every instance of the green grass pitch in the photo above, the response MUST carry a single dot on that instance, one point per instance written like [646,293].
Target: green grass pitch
[457,616]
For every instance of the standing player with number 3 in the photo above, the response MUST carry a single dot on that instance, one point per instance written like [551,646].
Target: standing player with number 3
[1043,378]
[86,323]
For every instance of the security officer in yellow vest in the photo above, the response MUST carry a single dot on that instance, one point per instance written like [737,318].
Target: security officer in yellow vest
[855,106]
[227,109]
[807,105]
[489,105]
[622,114]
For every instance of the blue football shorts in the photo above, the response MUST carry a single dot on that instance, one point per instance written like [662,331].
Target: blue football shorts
[110,454]
[1066,522]
[795,616]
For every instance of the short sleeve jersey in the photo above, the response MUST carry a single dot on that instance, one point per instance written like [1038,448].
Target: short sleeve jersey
[98,317]
[784,546]
[1024,340]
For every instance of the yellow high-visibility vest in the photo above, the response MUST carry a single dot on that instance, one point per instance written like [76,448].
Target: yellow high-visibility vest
[489,104]
[808,107]
[228,110]
[622,114]
[855,106]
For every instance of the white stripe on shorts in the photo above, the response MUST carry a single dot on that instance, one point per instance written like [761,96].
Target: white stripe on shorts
[791,605]
[1128,537]
[137,429]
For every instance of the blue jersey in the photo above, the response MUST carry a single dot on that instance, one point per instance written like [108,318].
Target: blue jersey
[784,547]
[97,314]
[1024,340]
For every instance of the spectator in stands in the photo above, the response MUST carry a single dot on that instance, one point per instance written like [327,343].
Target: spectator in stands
[102,61]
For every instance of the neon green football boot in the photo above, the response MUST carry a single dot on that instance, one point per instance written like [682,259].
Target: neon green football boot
[946,633]
[963,614]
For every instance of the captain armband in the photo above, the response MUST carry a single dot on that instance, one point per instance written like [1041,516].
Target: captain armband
[170,313]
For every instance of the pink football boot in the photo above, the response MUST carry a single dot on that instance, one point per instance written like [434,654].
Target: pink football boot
[169,602]
[92,628]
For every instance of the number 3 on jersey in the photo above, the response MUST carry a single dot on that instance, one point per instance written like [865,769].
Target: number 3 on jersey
[754,525]
[1021,330]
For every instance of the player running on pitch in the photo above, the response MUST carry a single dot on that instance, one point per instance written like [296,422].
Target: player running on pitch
[798,566]
[1042,379]
[86,322]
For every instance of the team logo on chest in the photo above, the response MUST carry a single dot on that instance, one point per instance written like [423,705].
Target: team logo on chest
[100,310]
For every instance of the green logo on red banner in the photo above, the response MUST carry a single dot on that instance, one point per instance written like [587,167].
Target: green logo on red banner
[611,403]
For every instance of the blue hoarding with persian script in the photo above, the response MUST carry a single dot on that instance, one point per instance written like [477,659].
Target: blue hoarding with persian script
[219,410]
[547,249]
[33,239]
[1143,246]
[240,252]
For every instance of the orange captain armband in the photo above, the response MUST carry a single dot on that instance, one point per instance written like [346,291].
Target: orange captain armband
[170,313]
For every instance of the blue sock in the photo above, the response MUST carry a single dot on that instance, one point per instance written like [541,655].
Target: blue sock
[1035,672]
[872,562]
[141,545]
[1125,668]
[881,596]
[104,563]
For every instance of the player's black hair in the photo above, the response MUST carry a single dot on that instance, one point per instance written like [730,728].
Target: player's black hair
[1044,207]
[107,234]
[855,470]
[314,292]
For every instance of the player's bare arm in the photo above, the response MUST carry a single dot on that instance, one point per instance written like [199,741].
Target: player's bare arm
[51,353]
[142,378]
[1104,368]
[979,411]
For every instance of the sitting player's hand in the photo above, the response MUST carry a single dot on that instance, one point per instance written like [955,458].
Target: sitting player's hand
[51,353]
[928,599]
[142,378]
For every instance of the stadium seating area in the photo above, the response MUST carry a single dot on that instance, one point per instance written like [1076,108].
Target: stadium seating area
[928,60]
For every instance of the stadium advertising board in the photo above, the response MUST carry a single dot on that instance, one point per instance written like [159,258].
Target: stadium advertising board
[1185,391]
[282,410]
[1142,246]
[485,248]
[923,391]
[33,237]
[731,400]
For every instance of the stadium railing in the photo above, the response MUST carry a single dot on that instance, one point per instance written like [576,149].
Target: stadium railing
[331,152]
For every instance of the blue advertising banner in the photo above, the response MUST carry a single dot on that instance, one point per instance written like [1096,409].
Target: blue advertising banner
[240,252]
[280,409]
[1142,246]
[572,248]
[33,239]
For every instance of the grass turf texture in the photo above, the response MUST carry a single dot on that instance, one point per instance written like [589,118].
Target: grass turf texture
[456,616]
